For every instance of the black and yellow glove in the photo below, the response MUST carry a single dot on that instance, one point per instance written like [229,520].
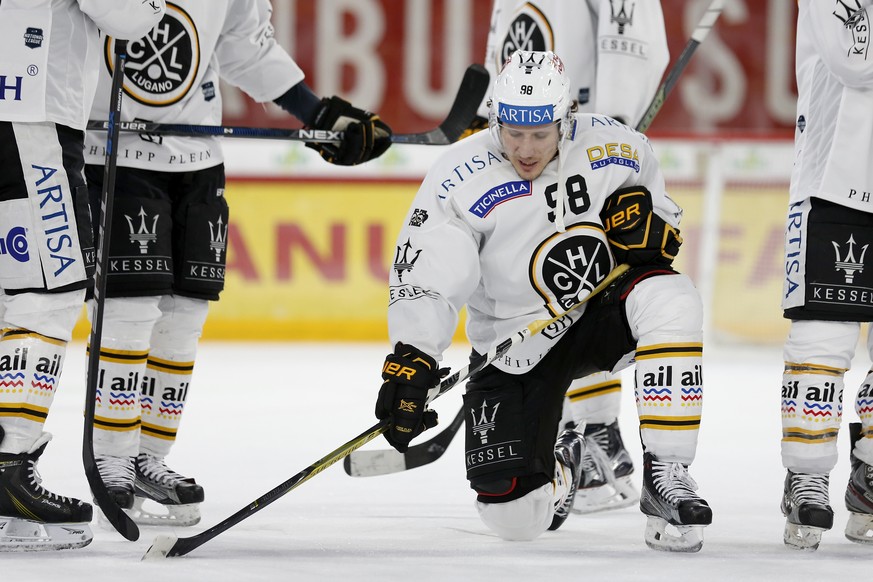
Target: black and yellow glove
[407,375]
[365,135]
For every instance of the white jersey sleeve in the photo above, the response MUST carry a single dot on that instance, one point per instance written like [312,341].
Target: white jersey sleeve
[249,56]
[124,18]
[436,269]
[840,36]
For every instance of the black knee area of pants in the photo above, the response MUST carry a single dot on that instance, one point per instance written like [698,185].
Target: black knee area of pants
[510,489]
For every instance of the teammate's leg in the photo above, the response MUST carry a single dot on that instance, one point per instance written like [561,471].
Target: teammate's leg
[606,483]
[164,392]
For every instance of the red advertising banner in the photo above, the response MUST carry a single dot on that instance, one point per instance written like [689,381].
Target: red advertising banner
[404,59]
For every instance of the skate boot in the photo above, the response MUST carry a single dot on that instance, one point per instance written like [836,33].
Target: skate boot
[155,482]
[669,498]
[606,471]
[805,507]
[859,495]
[32,518]
[569,450]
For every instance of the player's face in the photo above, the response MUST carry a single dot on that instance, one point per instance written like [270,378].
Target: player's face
[529,148]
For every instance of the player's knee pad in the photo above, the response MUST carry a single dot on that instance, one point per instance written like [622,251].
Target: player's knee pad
[128,319]
[501,457]
[828,343]
[50,314]
[665,306]
[523,518]
[181,323]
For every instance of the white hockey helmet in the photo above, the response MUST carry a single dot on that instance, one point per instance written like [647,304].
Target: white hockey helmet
[531,89]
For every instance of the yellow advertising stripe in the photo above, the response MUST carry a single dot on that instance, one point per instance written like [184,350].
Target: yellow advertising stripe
[169,366]
[800,435]
[10,334]
[594,390]
[678,350]
[160,432]
[121,356]
[792,369]
[670,422]
[114,424]
[26,411]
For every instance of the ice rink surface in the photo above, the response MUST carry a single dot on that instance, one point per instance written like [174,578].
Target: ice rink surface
[257,414]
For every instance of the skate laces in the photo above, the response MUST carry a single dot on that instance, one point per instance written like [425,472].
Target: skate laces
[156,470]
[116,471]
[673,482]
[810,488]
[36,482]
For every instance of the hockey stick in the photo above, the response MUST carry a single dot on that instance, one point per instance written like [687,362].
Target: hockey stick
[382,462]
[704,25]
[168,545]
[116,516]
[471,92]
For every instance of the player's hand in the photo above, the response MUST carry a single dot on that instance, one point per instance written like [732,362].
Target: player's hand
[365,135]
[407,375]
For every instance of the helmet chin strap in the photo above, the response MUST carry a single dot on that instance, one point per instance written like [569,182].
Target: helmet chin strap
[561,191]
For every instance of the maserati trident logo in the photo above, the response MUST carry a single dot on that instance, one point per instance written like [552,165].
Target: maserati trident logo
[483,424]
[849,264]
[621,17]
[142,235]
[402,261]
[217,238]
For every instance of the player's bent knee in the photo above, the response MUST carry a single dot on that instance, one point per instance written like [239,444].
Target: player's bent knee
[521,519]
[665,305]
[181,322]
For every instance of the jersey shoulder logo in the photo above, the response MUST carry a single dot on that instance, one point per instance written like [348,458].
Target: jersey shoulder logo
[161,66]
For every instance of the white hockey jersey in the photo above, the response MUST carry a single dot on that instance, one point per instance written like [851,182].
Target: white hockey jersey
[615,51]
[49,54]
[834,131]
[172,76]
[478,235]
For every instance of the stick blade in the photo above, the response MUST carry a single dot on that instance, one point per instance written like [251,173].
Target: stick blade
[373,463]
[472,90]
[161,547]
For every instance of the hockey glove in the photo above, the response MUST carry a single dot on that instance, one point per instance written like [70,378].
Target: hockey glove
[407,375]
[365,136]
[637,235]
[477,125]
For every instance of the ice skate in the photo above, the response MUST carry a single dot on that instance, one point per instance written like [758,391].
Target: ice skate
[155,482]
[606,471]
[669,499]
[569,450]
[117,476]
[32,518]
[859,495]
[805,506]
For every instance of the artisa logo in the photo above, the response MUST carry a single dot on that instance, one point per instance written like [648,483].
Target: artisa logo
[162,65]
[525,115]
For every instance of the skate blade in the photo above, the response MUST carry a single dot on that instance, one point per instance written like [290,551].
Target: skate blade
[689,538]
[802,537]
[606,497]
[20,535]
[859,528]
[144,512]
